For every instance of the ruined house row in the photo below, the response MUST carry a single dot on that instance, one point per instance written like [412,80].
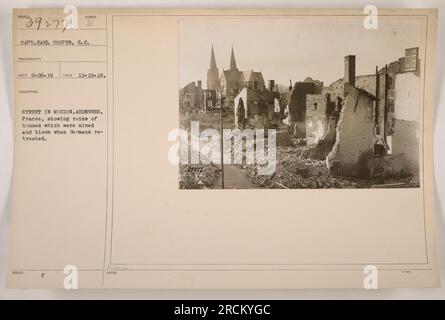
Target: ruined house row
[364,126]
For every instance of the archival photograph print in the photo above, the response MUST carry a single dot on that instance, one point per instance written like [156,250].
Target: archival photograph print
[300,102]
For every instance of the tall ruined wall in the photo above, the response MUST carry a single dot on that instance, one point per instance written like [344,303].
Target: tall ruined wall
[352,154]
[297,105]
[368,84]
[297,98]
[316,122]
[405,121]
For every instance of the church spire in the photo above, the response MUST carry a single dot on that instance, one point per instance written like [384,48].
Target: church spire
[212,60]
[232,61]
[212,73]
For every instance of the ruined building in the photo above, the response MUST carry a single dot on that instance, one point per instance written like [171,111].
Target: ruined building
[297,104]
[367,126]
[189,96]
[260,108]
[209,99]
[194,98]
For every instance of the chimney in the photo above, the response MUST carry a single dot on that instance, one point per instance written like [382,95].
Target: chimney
[290,84]
[350,70]
[199,84]
[271,85]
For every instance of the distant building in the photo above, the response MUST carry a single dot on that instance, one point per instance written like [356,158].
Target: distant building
[232,81]
[194,98]
[189,96]
[225,86]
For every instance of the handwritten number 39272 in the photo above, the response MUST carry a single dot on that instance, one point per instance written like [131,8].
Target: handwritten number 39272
[40,23]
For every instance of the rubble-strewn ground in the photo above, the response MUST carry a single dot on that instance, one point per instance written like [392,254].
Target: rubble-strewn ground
[201,176]
[299,166]
[296,172]
[197,176]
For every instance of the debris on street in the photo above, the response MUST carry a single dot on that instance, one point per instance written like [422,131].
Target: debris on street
[296,172]
[197,176]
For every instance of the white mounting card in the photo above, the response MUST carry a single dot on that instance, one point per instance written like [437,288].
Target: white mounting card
[223,148]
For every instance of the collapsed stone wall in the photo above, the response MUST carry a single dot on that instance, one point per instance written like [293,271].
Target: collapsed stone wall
[321,122]
[316,122]
[387,113]
[324,145]
[352,154]
[297,104]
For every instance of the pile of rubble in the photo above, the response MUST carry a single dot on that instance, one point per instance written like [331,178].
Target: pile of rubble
[318,151]
[197,176]
[297,172]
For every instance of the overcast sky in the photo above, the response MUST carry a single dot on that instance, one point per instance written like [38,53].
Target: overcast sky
[293,48]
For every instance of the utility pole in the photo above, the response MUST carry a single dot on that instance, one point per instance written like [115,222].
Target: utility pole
[221,139]
[377,96]
[385,106]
